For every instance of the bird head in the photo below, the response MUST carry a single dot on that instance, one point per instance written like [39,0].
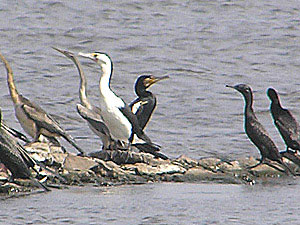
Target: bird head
[244,89]
[66,53]
[98,57]
[273,95]
[146,81]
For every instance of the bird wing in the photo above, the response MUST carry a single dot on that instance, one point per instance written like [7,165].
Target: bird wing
[135,124]
[43,119]
[94,119]
[261,139]
[143,109]
[15,133]
[287,125]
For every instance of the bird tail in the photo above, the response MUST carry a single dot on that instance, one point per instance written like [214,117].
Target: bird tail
[150,148]
[72,142]
[39,184]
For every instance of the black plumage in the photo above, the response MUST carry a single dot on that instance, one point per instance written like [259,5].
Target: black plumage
[285,122]
[144,105]
[256,132]
[15,157]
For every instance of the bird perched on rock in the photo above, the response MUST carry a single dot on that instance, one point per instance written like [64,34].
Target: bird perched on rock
[143,107]
[116,114]
[15,157]
[285,122]
[89,112]
[256,132]
[33,119]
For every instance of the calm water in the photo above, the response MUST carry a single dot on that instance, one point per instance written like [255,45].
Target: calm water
[202,45]
[158,204]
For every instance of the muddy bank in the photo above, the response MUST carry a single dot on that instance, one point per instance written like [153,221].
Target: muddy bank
[108,168]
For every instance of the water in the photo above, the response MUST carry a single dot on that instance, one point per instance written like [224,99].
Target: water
[202,45]
[158,204]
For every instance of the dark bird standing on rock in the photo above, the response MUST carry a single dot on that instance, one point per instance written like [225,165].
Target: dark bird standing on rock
[257,133]
[89,112]
[15,157]
[143,107]
[33,119]
[285,122]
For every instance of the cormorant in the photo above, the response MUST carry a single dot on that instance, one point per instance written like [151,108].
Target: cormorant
[144,105]
[33,119]
[89,112]
[116,114]
[15,157]
[285,122]
[256,132]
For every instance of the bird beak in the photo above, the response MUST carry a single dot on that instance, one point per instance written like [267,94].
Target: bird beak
[87,55]
[229,86]
[66,53]
[154,80]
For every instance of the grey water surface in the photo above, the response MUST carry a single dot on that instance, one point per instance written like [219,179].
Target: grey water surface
[201,45]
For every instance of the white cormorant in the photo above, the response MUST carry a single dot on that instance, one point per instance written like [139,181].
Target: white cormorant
[89,112]
[116,114]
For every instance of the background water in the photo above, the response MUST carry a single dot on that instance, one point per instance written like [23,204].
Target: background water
[202,45]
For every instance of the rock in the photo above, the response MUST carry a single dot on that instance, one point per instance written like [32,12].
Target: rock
[130,167]
[125,157]
[77,163]
[144,169]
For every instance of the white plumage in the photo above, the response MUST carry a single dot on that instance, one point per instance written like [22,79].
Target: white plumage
[110,104]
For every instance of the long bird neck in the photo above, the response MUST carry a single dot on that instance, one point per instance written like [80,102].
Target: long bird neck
[249,112]
[104,83]
[82,86]
[10,81]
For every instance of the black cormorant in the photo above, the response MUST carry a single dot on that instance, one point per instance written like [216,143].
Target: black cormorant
[284,121]
[15,157]
[33,119]
[144,105]
[116,114]
[256,132]
[89,112]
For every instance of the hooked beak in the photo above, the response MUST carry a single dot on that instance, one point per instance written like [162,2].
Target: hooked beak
[154,80]
[66,53]
[87,55]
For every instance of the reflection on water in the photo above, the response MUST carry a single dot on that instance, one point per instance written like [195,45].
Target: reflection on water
[202,45]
